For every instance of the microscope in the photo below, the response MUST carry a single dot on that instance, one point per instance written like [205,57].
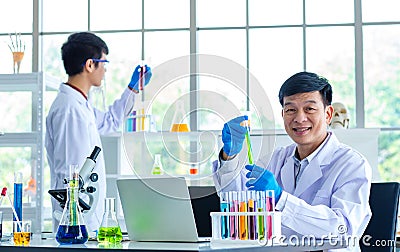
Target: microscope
[88,184]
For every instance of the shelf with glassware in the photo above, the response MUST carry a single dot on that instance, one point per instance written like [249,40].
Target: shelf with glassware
[201,147]
[19,90]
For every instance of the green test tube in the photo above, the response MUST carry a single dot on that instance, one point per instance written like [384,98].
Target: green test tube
[248,142]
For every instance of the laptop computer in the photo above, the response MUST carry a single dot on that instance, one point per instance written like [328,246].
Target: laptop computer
[158,209]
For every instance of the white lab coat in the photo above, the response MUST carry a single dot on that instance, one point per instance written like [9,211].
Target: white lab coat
[333,189]
[73,129]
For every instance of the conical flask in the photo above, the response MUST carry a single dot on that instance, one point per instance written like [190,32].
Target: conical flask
[110,231]
[157,166]
[72,229]
[179,121]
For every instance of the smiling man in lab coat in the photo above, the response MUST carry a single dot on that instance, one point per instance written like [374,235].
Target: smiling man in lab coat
[321,185]
[73,125]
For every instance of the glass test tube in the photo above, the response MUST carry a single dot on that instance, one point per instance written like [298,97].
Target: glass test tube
[224,205]
[243,230]
[18,195]
[248,142]
[233,220]
[260,218]
[269,207]
[251,207]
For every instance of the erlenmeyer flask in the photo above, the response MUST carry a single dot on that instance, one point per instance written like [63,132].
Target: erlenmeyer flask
[179,121]
[72,229]
[157,166]
[110,230]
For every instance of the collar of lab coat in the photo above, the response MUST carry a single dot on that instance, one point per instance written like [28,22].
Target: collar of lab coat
[72,92]
[312,172]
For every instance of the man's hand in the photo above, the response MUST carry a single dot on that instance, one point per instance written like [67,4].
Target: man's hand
[233,135]
[134,83]
[261,180]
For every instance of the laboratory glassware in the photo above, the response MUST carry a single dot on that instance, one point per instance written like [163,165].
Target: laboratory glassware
[157,165]
[233,219]
[110,230]
[243,228]
[72,229]
[18,195]
[1,224]
[224,205]
[179,121]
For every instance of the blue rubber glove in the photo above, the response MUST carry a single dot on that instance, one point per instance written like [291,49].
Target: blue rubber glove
[233,135]
[134,84]
[262,180]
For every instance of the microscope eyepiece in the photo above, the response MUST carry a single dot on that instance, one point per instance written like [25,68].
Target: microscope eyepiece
[95,153]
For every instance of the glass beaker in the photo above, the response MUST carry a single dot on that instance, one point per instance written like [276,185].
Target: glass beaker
[72,229]
[110,230]
[157,165]
[179,121]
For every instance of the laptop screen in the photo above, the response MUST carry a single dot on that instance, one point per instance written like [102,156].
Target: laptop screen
[204,201]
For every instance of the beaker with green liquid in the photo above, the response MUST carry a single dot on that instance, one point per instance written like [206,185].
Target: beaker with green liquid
[109,231]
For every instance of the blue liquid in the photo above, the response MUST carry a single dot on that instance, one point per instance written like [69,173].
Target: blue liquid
[18,200]
[72,234]
[224,221]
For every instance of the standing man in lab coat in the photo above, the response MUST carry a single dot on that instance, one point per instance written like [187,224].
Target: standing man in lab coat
[321,185]
[74,126]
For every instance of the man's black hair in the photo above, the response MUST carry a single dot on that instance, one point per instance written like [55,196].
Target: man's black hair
[79,48]
[305,82]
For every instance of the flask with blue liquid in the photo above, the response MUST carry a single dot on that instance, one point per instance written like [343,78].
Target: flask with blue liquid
[72,229]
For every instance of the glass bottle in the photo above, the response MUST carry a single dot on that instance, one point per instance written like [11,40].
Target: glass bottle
[179,121]
[72,229]
[157,166]
[110,231]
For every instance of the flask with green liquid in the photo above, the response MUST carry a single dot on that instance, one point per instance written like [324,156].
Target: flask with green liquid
[157,166]
[109,231]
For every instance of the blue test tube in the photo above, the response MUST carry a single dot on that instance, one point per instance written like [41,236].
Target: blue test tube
[224,219]
[18,195]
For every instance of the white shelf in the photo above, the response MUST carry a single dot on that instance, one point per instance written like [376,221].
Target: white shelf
[27,82]
[19,139]
[37,84]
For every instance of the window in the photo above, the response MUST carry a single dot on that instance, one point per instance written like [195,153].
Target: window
[265,41]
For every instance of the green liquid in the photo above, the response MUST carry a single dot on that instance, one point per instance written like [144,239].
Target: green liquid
[109,234]
[261,234]
[156,171]
[249,150]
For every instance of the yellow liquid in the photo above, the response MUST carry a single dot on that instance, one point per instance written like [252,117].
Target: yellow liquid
[22,238]
[180,127]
